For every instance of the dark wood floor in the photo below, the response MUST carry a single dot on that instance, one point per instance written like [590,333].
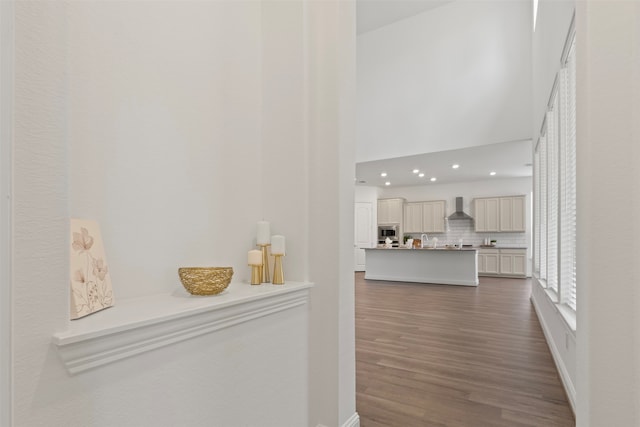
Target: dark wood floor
[434,355]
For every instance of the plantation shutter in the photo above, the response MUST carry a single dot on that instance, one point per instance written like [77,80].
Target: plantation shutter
[568,176]
[552,196]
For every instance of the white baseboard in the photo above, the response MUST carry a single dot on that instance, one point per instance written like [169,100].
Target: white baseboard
[353,421]
[569,387]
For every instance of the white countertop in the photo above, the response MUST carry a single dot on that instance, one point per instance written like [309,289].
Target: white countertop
[425,249]
[502,247]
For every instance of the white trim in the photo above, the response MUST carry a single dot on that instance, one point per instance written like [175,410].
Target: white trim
[568,43]
[554,93]
[353,421]
[569,387]
[425,280]
[139,325]
[6,159]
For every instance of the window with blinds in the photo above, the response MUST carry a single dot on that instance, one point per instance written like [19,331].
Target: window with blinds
[536,208]
[542,226]
[568,183]
[552,196]
[555,188]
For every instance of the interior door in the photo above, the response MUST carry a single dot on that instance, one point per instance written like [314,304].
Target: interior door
[363,233]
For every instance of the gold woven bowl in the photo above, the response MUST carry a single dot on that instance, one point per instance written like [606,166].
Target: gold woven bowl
[205,280]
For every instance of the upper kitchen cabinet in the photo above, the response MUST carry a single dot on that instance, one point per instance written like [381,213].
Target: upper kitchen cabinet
[500,214]
[433,216]
[413,217]
[486,214]
[390,211]
[512,213]
[424,217]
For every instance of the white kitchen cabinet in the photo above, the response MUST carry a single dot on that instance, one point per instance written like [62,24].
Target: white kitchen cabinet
[433,216]
[488,261]
[390,211]
[500,214]
[502,262]
[513,262]
[486,214]
[424,217]
[512,213]
[413,217]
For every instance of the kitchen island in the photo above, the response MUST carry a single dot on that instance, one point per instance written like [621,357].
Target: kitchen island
[439,266]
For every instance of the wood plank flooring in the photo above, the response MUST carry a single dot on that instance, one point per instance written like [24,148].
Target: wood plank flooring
[434,355]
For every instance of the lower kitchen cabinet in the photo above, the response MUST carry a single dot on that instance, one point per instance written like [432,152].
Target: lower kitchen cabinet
[513,262]
[502,262]
[488,261]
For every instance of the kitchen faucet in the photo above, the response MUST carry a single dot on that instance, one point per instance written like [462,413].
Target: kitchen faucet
[423,238]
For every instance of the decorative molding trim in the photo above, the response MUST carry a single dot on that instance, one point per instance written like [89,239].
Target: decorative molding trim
[93,347]
[353,421]
[562,370]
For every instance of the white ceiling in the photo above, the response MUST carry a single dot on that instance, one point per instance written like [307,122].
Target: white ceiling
[507,159]
[373,14]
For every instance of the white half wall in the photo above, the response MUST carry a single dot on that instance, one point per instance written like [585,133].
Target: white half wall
[455,76]
[173,124]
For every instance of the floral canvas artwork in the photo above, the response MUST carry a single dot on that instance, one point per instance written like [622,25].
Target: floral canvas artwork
[90,279]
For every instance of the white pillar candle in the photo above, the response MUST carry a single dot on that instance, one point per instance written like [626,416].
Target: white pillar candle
[264,232]
[277,245]
[255,257]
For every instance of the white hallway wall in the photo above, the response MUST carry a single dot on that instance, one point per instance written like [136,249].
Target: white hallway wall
[455,76]
[178,135]
[608,120]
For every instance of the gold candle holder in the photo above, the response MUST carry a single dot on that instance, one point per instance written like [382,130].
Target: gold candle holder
[255,274]
[264,269]
[278,274]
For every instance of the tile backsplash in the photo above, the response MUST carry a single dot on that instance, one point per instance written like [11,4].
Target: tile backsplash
[464,230]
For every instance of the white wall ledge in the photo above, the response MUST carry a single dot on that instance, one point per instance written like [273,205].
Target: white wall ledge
[138,325]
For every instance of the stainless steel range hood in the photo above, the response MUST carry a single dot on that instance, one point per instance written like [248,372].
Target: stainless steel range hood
[459,214]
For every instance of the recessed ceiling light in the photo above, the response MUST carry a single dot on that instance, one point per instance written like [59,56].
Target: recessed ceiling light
[492,173]
[433,179]
[416,170]
[383,174]
[387,183]
[421,175]
[456,166]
